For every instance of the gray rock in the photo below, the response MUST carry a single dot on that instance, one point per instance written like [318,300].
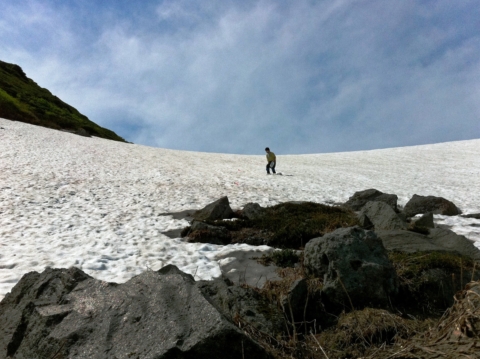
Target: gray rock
[382,216]
[253,211]
[451,241]
[472,215]
[220,209]
[295,300]
[352,261]
[253,308]
[66,314]
[436,205]
[364,221]
[406,241]
[359,199]
[243,268]
[425,221]
[439,239]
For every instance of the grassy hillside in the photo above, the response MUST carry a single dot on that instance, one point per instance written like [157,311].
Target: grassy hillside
[21,99]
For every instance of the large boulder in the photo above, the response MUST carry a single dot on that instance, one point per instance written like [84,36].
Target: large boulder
[354,264]
[382,216]
[220,209]
[360,198]
[63,313]
[438,239]
[423,204]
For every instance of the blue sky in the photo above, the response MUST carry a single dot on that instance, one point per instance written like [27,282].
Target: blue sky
[229,76]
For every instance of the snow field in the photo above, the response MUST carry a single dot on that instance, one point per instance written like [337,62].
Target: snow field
[67,200]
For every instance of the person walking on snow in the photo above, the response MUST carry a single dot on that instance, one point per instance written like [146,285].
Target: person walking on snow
[271,161]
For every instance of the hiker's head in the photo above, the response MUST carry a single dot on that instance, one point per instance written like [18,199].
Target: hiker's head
[267,149]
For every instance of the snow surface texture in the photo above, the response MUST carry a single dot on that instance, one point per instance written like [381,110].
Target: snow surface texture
[67,200]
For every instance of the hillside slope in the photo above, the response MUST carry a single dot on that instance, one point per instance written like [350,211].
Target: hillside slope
[21,99]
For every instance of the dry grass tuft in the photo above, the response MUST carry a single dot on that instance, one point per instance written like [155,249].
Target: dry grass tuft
[457,334]
[367,333]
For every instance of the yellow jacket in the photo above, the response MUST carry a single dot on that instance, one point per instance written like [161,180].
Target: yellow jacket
[271,157]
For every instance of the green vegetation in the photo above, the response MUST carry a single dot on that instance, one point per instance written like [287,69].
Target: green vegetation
[290,225]
[21,99]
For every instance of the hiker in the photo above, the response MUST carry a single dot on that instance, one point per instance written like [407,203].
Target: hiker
[272,161]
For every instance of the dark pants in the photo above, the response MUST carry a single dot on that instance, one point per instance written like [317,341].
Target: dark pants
[273,167]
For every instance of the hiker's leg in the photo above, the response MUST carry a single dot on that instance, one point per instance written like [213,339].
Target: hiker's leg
[273,168]
[268,167]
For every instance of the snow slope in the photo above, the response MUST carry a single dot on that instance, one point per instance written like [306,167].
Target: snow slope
[67,200]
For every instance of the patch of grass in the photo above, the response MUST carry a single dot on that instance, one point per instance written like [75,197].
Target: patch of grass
[292,225]
[428,281]
[21,99]
[368,333]
[410,265]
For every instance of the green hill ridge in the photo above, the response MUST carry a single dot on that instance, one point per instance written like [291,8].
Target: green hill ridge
[21,99]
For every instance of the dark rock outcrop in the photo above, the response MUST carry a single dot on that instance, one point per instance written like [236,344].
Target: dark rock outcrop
[472,215]
[423,204]
[220,209]
[382,216]
[352,261]
[360,198]
[164,314]
[201,232]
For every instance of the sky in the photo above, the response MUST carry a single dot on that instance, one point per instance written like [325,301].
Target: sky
[233,76]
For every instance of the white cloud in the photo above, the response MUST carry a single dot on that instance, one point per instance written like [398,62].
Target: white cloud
[306,77]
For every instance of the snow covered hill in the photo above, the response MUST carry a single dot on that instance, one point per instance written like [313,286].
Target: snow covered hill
[67,200]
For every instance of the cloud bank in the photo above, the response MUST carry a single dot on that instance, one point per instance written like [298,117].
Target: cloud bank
[234,77]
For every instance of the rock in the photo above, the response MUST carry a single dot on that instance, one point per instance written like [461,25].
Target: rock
[295,300]
[64,313]
[425,221]
[451,241]
[364,221]
[253,211]
[352,261]
[243,268]
[436,205]
[382,216]
[438,240]
[472,215]
[248,304]
[204,233]
[359,199]
[406,241]
[220,209]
